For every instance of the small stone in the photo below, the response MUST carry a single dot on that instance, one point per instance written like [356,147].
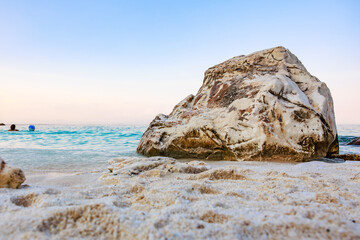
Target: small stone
[10,177]
[200,226]
[246,222]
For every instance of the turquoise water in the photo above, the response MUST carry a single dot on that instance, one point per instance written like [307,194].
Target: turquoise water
[79,148]
[64,147]
[347,133]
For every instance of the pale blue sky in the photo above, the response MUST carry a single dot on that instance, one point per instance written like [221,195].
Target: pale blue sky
[124,62]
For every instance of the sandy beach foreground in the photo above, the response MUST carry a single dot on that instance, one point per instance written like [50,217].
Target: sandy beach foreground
[160,198]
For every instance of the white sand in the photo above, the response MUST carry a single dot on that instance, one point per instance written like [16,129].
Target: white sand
[161,198]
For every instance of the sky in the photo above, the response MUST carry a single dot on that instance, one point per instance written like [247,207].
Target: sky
[124,62]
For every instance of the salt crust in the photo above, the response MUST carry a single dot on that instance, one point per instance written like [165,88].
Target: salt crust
[159,198]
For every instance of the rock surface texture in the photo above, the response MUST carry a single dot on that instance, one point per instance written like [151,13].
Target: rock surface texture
[264,106]
[10,177]
[354,142]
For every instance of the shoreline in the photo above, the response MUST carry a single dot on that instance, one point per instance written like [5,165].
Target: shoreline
[62,177]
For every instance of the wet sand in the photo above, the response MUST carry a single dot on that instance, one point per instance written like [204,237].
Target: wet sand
[62,179]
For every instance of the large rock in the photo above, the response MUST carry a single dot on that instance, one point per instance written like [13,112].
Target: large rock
[264,106]
[10,177]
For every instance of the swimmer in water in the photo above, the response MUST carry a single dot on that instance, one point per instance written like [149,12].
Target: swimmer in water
[12,128]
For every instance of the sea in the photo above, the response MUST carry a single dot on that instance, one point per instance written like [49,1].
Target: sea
[68,148]
[78,148]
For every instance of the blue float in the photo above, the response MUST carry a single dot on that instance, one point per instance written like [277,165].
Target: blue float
[31,128]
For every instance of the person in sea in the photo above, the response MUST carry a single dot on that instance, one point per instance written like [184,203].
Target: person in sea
[12,128]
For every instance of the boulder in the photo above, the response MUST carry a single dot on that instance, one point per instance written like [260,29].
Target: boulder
[263,106]
[10,177]
[356,141]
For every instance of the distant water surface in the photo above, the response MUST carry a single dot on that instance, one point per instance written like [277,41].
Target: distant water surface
[68,148]
[79,148]
[347,133]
